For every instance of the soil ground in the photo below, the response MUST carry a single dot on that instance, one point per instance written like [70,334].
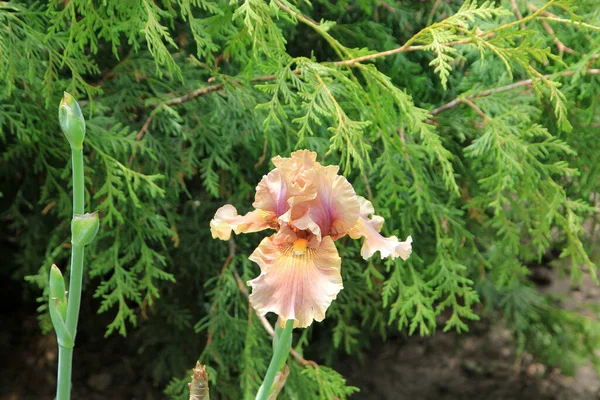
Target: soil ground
[473,366]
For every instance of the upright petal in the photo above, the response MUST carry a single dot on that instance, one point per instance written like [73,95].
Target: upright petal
[335,209]
[296,165]
[227,219]
[374,241]
[299,279]
[274,192]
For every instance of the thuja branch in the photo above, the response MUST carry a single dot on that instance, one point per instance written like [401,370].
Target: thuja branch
[515,85]
[408,46]
[190,96]
[570,22]
[525,19]
[548,16]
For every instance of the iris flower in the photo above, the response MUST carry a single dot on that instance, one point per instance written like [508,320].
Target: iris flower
[310,206]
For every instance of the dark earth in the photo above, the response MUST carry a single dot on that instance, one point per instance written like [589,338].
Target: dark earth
[478,365]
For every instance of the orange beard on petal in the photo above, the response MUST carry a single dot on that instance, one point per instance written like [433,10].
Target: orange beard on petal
[300,246]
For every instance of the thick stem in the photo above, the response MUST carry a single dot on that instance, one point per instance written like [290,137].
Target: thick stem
[279,355]
[65,355]
[63,386]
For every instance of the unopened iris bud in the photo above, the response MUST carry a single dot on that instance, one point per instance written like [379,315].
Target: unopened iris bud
[58,297]
[58,308]
[71,121]
[84,228]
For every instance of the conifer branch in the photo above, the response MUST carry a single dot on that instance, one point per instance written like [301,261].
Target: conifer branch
[190,96]
[406,47]
[458,100]
[525,19]
[559,45]
[297,15]
[476,108]
[571,22]
[548,16]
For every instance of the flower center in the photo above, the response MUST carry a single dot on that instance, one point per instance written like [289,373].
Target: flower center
[300,246]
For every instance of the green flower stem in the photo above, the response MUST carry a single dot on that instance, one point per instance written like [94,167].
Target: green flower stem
[65,355]
[78,185]
[280,353]
[63,384]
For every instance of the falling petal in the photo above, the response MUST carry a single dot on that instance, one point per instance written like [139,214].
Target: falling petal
[299,278]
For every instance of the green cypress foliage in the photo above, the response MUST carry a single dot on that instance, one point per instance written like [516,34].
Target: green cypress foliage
[470,127]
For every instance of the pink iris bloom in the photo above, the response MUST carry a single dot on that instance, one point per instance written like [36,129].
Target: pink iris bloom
[310,206]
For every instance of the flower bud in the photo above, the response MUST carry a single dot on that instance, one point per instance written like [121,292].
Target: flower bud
[58,308]
[58,298]
[84,228]
[71,121]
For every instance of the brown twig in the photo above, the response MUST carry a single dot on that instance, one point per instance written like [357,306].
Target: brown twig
[515,8]
[476,108]
[559,45]
[219,86]
[548,16]
[142,131]
[402,49]
[190,96]
[458,100]
[387,7]
[263,157]
[49,207]
[436,5]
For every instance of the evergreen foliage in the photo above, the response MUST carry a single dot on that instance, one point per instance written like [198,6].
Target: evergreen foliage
[470,129]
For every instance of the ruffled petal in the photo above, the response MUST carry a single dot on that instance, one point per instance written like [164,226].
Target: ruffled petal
[335,209]
[227,219]
[369,229]
[299,279]
[296,165]
[274,192]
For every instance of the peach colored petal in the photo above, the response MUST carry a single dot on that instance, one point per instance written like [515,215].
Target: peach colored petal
[335,209]
[295,166]
[227,219]
[299,279]
[374,241]
[274,192]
